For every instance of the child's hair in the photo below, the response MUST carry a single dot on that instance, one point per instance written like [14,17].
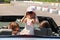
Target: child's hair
[44,24]
[31,13]
[13,25]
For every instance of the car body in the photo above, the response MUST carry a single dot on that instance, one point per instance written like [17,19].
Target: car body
[53,26]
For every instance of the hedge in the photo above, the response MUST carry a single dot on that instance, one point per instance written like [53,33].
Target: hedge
[48,0]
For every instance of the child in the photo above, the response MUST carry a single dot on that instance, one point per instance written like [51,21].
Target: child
[44,24]
[45,29]
[15,28]
[30,20]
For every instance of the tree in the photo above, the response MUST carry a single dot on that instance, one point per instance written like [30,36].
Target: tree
[1,1]
[7,1]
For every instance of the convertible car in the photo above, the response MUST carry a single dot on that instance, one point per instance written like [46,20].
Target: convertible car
[52,32]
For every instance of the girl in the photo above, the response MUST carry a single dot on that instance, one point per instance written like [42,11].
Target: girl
[30,20]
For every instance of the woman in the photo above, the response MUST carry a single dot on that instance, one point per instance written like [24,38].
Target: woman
[29,19]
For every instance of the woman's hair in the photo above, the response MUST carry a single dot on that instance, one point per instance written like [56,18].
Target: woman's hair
[13,25]
[44,24]
[31,13]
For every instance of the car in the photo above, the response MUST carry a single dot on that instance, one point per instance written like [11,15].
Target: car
[6,33]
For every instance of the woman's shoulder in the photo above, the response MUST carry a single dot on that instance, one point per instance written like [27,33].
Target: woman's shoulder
[25,18]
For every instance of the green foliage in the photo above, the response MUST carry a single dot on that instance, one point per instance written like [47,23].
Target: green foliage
[7,1]
[1,0]
[48,0]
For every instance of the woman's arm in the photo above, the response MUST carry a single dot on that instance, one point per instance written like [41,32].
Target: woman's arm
[36,20]
[23,19]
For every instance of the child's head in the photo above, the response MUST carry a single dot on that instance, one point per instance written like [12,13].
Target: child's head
[44,24]
[15,27]
[30,14]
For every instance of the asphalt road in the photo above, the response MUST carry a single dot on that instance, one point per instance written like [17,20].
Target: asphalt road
[21,10]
